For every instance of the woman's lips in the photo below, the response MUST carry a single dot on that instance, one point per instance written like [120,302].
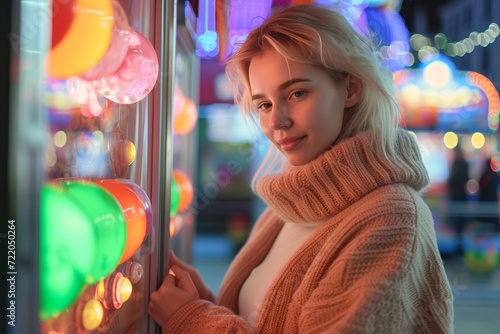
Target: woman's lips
[289,143]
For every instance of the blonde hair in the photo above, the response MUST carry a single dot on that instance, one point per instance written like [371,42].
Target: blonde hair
[322,37]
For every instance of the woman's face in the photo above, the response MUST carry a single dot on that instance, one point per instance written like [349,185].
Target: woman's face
[300,107]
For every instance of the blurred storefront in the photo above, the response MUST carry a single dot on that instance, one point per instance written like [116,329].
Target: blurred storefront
[446,108]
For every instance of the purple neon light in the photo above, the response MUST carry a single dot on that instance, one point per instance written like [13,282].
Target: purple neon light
[244,16]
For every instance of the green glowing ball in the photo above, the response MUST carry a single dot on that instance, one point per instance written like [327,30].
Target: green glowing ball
[106,217]
[175,197]
[82,238]
[67,251]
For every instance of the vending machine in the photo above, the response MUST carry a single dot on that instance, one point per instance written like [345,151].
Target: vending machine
[102,106]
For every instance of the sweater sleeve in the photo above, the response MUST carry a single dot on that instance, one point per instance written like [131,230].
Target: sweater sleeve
[388,279]
[201,316]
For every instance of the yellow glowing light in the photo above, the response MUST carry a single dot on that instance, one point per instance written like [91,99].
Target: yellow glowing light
[60,138]
[99,291]
[477,140]
[450,139]
[447,99]
[412,95]
[92,314]
[437,74]
[123,153]
[123,290]
[50,157]
[462,96]
[430,98]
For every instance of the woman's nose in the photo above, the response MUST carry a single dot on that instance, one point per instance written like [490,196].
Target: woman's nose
[279,119]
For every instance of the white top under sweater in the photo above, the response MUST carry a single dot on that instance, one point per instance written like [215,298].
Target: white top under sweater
[252,293]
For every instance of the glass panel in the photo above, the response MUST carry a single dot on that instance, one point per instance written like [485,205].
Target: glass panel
[185,124]
[97,226]
[29,41]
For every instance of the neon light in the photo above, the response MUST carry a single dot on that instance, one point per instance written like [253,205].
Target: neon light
[207,42]
[244,16]
[489,89]
[468,102]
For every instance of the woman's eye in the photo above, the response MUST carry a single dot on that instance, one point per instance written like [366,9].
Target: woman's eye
[264,106]
[298,94]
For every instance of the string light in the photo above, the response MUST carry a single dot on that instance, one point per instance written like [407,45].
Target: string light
[425,48]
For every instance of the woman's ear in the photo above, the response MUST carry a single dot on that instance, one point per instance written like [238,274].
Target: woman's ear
[354,90]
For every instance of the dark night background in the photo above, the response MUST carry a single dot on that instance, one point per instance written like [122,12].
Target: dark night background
[408,8]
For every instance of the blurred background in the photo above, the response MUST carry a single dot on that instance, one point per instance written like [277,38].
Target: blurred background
[122,143]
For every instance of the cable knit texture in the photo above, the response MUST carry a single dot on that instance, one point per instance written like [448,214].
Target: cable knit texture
[371,267]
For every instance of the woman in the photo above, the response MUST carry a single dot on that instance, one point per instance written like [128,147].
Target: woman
[346,244]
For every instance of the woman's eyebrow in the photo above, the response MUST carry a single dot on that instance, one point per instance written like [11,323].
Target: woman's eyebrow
[283,86]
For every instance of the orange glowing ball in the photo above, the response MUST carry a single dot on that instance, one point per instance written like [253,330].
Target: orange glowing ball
[62,18]
[134,213]
[85,38]
[186,189]
[186,118]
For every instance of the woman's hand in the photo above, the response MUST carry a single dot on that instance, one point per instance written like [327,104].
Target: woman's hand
[203,290]
[176,290]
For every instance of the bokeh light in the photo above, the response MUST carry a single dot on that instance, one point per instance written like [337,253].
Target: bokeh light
[450,139]
[477,140]
[186,118]
[186,189]
[437,74]
[175,196]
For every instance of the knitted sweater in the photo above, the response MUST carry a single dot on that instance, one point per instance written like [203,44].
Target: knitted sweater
[371,267]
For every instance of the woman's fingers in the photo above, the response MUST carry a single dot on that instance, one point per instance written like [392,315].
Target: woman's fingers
[176,290]
[184,280]
[168,280]
[203,291]
[174,260]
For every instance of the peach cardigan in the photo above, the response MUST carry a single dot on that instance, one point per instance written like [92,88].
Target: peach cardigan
[372,267]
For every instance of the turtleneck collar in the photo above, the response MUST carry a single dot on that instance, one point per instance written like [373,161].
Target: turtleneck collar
[340,176]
